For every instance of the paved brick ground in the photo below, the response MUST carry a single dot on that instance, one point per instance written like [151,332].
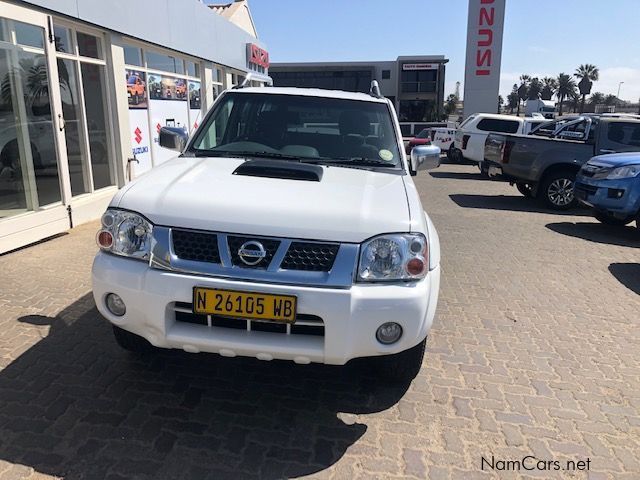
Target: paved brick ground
[535,351]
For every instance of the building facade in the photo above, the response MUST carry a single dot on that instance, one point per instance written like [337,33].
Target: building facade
[86,86]
[414,84]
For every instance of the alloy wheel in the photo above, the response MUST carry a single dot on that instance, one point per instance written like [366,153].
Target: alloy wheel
[560,192]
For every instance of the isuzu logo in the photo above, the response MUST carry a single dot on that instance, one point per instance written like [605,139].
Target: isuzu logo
[251,253]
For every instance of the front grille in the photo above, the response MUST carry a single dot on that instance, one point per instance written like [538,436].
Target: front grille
[236,242]
[196,246]
[587,189]
[311,257]
[304,324]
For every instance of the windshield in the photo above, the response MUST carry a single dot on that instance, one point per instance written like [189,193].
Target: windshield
[300,128]
[426,133]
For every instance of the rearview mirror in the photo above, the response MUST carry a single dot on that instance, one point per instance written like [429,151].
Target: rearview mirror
[424,157]
[173,138]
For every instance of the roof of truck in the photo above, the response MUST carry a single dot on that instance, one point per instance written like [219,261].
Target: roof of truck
[312,92]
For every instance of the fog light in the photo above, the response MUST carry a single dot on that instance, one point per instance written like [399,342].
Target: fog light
[115,305]
[389,333]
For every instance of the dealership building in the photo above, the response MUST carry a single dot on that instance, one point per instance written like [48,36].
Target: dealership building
[414,84]
[86,87]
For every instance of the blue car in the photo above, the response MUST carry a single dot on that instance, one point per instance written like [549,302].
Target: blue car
[610,184]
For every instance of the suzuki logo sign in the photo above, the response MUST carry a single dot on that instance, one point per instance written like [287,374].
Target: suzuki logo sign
[138,135]
[484,53]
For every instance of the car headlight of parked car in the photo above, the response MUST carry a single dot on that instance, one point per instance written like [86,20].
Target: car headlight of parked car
[125,233]
[624,172]
[394,257]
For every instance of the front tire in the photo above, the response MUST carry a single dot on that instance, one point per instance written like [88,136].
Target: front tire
[557,190]
[403,367]
[131,342]
[608,219]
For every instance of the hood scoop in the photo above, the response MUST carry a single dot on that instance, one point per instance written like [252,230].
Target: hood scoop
[283,169]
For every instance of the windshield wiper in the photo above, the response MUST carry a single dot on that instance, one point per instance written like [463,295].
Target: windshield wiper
[356,161]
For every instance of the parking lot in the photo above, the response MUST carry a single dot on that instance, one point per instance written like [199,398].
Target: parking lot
[534,351]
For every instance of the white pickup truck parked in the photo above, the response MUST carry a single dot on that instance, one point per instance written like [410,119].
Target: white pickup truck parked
[472,133]
[289,227]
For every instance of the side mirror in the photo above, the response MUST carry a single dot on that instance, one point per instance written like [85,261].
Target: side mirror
[424,157]
[173,138]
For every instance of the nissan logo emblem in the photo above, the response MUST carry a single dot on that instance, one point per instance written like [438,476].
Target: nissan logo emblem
[251,253]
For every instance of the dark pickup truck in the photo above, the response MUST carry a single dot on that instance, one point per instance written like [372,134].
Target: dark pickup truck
[544,164]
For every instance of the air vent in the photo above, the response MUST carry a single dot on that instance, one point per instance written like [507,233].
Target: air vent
[287,170]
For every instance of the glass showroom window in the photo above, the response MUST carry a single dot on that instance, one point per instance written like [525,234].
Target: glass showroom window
[81,69]
[29,177]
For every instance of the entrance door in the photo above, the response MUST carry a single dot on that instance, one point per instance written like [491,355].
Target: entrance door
[32,177]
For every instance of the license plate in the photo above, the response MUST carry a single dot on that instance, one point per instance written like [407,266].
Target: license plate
[248,305]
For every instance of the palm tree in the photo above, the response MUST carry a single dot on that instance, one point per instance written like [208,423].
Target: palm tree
[566,86]
[596,98]
[523,89]
[451,104]
[575,101]
[587,73]
[549,87]
[535,87]
[611,100]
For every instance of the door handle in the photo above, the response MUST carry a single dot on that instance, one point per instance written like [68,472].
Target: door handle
[61,122]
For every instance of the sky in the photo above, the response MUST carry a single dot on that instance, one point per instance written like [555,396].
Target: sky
[541,37]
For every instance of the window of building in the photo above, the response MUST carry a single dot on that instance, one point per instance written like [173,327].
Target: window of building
[418,111]
[85,102]
[89,45]
[132,55]
[29,35]
[350,80]
[386,74]
[418,81]
[193,69]
[165,63]
[62,37]
[498,125]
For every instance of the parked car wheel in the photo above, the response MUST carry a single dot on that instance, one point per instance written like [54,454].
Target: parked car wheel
[131,342]
[403,367]
[557,190]
[484,169]
[608,219]
[525,189]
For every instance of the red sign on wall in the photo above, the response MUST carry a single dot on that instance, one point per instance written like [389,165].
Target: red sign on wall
[257,56]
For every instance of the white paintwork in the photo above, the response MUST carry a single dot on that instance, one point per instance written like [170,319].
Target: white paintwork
[351,316]
[474,150]
[347,205]
[443,137]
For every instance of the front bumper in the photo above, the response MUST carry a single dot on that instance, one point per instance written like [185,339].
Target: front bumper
[351,316]
[618,197]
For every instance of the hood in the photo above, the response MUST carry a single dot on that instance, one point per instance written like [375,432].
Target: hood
[347,204]
[616,159]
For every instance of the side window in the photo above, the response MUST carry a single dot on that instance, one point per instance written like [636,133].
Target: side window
[624,133]
[498,125]
[386,74]
[218,128]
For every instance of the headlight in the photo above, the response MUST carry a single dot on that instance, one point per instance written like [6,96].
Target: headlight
[394,257]
[624,172]
[125,233]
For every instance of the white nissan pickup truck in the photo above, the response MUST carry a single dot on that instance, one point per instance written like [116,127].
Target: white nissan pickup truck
[288,227]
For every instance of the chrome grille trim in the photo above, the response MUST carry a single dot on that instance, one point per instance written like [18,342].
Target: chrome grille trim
[341,275]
